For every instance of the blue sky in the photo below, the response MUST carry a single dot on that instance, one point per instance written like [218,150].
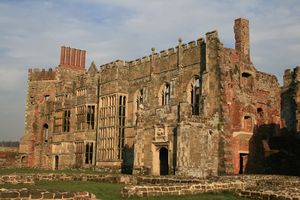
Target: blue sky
[32,32]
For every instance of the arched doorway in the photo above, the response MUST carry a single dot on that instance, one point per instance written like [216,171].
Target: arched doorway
[56,160]
[163,161]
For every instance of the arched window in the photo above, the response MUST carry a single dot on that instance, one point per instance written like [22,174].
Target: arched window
[165,94]
[194,95]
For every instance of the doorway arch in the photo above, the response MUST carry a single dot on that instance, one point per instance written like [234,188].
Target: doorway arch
[164,161]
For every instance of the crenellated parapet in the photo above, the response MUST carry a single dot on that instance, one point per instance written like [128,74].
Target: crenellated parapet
[41,74]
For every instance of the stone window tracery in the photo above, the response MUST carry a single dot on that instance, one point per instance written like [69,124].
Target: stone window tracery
[139,99]
[165,94]
[66,121]
[89,149]
[194,95]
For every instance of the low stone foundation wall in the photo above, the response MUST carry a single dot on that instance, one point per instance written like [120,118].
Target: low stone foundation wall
[16,194]
[181,189]
[251,186]
[31,178]
[268,187]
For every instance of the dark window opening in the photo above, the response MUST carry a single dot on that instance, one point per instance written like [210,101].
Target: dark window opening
[90,117]
[247,80]
[56,160]
[46,130]
[121,130]
[246,75]
[66,121]
[243,162]
[248,123]
[89,153]
[46,97]
[260,112]
[195,96]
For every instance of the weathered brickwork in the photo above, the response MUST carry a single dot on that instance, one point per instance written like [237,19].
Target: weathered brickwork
[198,109]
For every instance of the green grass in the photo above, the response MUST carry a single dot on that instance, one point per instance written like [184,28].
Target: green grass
[111,191]
[8,171]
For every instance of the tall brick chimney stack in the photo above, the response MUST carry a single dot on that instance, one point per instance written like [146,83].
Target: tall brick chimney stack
[242,41]
[72,58]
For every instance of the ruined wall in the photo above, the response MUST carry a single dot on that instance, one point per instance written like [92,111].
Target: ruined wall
[9,156]
[290,99]
[39,106]
[250,99]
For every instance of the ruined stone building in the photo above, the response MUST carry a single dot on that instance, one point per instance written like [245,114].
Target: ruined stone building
[189,110]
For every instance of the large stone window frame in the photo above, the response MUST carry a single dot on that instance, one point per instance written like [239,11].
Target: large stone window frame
[138,102]
[193,94]
[66,120]
[164,95]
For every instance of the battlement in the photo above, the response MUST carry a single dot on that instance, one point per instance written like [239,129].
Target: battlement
[72,58]
[36,74]
[116,63]
[162,54]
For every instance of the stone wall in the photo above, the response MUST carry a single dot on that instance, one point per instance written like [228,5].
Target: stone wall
[16,194]
[250,186]
[8,156]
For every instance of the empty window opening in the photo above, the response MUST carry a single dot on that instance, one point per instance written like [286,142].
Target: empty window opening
[195,95]
[246,75]
[248,123]
[243,162]
[46,132]
[165,94]
[56,162]
[247,80]
[46,97]
[66,121]
[260,112]
[90,117]
[121,130]
[89,153]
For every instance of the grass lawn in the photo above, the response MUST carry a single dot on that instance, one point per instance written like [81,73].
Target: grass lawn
[110,191]
[34,171]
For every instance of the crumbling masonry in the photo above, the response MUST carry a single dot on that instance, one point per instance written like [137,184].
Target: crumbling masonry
[191,110]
